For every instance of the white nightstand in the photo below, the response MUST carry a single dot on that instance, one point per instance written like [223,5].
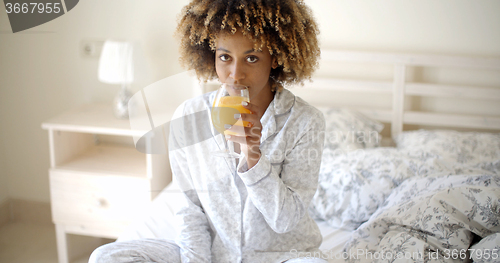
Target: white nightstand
[99,182]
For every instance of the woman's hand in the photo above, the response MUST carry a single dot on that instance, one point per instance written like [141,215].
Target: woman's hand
[249,136]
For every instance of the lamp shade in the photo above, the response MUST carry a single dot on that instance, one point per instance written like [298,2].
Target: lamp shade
[116,63]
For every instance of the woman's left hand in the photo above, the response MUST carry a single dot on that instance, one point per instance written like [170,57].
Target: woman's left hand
[249,137]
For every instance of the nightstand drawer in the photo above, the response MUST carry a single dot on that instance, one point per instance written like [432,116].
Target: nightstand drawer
[103,199]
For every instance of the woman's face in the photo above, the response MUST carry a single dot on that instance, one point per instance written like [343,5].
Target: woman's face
[236,61]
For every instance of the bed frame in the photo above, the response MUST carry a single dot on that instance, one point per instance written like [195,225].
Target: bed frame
[400,88]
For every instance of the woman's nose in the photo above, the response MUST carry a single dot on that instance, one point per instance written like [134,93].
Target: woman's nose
[237,72]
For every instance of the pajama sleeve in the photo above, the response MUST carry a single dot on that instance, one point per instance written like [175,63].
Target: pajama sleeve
[283,191]
[194,237]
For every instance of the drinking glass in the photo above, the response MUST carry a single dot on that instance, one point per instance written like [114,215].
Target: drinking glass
[227,103]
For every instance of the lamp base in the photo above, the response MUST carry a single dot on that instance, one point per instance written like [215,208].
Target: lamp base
[120,103]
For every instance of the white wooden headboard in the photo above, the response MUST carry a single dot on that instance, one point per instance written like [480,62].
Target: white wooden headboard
[400,87]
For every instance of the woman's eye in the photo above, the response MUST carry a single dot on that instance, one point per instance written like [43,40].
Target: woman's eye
[224,58]
[252,59]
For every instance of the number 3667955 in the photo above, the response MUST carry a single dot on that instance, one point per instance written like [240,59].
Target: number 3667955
[33,7]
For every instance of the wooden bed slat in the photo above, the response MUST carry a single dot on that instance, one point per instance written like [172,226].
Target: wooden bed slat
[398,100]
[350,85]
[451,120]
[412,59]
[452,91]
[415,89]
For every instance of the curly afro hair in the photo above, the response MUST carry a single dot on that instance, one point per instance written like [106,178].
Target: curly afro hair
[286,27]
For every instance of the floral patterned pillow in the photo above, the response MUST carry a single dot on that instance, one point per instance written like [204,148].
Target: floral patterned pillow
[353,185]
[457,149]
[486,250]
[347,130]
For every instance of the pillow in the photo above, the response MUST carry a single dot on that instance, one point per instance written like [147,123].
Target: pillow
[459,150]
[353,185]
[487,249]
[347,130]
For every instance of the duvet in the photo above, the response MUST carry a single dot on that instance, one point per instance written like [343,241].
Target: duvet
[433,219]
[433,198]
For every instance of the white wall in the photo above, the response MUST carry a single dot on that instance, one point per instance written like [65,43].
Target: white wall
[451,27]
[468,27]
[42,72]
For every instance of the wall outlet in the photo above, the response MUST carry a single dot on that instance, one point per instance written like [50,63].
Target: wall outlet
[91,48]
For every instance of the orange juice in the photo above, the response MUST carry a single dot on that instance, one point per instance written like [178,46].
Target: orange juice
[224,110]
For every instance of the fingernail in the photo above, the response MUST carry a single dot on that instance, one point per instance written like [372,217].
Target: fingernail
[244,103]
[227,126]
[237,116]
[228,136]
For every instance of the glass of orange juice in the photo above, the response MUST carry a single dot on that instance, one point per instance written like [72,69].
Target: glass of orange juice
[226,104]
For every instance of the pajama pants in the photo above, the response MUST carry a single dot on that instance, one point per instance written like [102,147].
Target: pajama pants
[137,251]
[152,251]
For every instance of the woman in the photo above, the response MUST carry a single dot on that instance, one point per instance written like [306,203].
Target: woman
[252,209]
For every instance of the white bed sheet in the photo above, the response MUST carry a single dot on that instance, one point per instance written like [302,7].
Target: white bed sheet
[334,239]
[159,222]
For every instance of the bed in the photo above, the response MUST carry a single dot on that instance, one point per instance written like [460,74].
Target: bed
[398,182]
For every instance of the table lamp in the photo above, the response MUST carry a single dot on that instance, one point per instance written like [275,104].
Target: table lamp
[116,66]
